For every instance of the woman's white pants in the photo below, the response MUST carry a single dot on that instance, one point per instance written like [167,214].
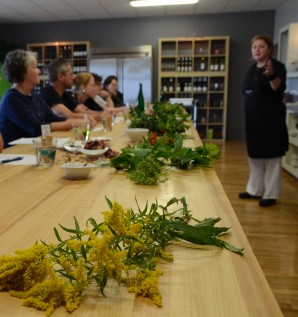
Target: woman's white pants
[264,178]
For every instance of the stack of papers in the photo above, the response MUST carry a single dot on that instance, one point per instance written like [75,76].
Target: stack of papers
[23,141]
[60,141]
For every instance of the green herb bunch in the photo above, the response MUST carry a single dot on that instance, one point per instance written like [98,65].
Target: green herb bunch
[146,162]
[149,171]
[165,118]
[126,247]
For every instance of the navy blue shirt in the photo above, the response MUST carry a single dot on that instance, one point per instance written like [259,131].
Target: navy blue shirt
[22,116]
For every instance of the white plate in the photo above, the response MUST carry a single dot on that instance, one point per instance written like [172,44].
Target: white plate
[98,129]
[93,153]
[102,138]
[72,147]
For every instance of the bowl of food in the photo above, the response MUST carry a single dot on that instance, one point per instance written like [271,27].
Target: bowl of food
[136,134]
[106,140]
[94,154]
[73,147]
[77,170]
[94,149]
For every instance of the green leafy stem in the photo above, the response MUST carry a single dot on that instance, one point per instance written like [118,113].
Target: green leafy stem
[146,162]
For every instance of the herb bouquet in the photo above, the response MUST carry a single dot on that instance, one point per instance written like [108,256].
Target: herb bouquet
[146,161]
[164,118]
[126,246]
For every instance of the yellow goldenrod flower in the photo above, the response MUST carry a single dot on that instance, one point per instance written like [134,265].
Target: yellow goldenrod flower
[126,247]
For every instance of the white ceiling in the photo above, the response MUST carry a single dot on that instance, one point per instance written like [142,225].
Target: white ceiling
[30,11]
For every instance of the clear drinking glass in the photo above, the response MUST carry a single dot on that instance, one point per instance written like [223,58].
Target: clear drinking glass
[45,151]
[81,131]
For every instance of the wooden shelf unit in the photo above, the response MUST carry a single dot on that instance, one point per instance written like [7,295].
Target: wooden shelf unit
[197,68]
[287,53]
[77,53]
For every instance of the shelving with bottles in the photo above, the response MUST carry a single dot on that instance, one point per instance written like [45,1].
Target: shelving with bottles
[77,53]
[288,54]
[197,68]
[290,160]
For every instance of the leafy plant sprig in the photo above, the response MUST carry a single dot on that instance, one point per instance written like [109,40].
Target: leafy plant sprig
[164,152]
[126,246]
[165,118]
[148,171]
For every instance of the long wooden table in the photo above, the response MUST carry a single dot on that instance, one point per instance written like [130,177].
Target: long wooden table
[202,281]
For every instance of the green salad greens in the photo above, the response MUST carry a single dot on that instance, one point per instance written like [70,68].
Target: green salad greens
[146,163]
[165,118]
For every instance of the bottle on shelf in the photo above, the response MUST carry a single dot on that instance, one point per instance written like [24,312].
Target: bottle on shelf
[189,64]
[161,96]
[178,88]
[215,86]
[205,84]
[141,102]
[199,87]
[221,85]
[222,65]
[202,64]
[165,86]
[216,65]
[195,85]
[171,85]
[182,64]
[179,64]
[186,87]
[212,65]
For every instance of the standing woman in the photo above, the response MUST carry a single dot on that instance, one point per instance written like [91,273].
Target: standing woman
[265,126]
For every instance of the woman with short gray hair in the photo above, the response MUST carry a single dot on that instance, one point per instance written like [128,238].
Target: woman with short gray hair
[23,111]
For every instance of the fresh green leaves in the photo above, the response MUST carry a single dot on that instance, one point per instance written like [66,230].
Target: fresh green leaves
[203,233]
[165,118]
[148,172]
[163,152]
[146,161]
[126,246]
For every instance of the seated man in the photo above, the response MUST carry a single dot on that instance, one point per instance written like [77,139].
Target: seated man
[61,101]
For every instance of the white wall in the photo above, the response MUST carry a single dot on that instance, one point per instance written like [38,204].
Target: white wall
[285,14]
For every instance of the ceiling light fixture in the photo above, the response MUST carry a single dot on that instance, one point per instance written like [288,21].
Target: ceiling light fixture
[152,3]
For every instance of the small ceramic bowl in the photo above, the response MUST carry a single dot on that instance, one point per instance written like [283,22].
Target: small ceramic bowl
[93,154]
[136,134]
[77,170]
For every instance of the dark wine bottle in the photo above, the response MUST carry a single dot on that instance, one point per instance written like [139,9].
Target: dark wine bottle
[141,103]
[161,96]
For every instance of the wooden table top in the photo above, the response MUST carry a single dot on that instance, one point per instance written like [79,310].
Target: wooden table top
[202,281]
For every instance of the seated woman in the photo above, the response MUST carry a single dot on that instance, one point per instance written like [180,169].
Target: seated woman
[85,91]
[22,111]
[111,85]
[103,97]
